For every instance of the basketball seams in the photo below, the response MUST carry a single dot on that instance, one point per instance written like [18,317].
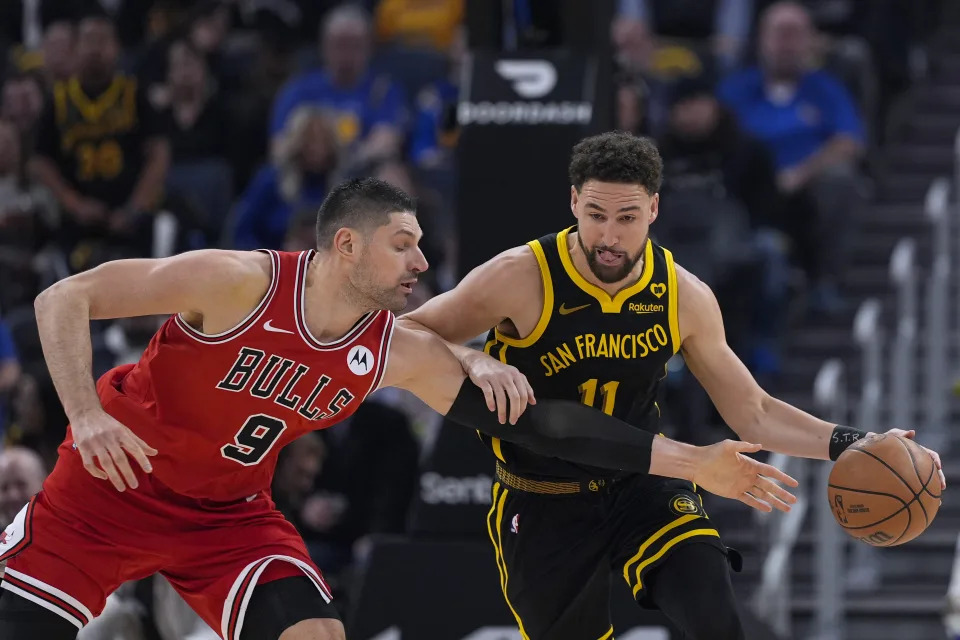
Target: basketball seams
[933,469]
[923,484]
[892,470]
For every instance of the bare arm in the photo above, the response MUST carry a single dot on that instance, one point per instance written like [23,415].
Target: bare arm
[749,410]
[507,286]
[209,287]
[505,290]
[150,183]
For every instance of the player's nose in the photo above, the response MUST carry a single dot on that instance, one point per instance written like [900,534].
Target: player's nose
[420,263]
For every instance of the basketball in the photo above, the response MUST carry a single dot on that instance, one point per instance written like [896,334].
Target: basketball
[884,490]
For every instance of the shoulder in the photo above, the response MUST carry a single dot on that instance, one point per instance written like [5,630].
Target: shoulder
[238,269]
[696,303]
[516,266]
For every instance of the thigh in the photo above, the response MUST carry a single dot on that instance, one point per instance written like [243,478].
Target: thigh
[66,564]
[656,517]
[692,588]
[551,557]
[292,604]
[220,568]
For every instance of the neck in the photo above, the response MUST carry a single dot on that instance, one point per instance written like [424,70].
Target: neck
[582,266]
[331,305]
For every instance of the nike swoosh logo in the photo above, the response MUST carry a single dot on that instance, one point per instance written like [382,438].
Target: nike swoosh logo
[564,310]
[268,325]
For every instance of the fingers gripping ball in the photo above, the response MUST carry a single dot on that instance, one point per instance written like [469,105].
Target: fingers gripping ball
[884,490]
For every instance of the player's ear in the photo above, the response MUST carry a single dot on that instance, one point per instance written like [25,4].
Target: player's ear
[345,242]
[574,197]
[654,208]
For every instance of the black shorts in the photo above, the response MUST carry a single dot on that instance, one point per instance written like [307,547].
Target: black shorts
[555,553]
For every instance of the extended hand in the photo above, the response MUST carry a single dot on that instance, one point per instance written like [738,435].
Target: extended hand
[933,454]
[500,382]
[727,472]
[102,439]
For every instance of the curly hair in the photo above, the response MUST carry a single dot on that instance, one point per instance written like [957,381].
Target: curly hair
[617,156]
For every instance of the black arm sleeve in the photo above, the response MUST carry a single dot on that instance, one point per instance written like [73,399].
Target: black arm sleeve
[561,429]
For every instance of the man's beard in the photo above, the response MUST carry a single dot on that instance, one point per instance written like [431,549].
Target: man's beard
[609,274]
[375,296]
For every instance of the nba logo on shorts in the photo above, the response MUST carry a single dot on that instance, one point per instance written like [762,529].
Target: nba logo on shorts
[515,523]
[360,360]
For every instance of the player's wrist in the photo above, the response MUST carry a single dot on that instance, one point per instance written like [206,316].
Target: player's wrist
[844,436]
[673,459]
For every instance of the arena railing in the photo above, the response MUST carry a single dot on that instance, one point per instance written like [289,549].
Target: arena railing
[903,275]
[937,319]
[830,399]
[773,596]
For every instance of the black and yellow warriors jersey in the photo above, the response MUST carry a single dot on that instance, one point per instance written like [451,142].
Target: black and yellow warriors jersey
[609,352]
[97,141]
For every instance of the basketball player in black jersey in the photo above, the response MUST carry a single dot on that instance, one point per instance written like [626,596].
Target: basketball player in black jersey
[593,313]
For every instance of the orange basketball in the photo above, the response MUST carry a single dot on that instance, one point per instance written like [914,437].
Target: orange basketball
[884,490]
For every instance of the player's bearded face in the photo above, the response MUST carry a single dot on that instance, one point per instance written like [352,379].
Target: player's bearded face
[598,255]
[389,265]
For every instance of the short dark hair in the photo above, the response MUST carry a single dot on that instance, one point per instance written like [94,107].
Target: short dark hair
[360,204]
[617,156]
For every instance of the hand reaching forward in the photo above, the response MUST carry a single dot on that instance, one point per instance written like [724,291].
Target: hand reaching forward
[726,471]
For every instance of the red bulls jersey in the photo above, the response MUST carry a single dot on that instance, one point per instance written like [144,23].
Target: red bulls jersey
[218,408]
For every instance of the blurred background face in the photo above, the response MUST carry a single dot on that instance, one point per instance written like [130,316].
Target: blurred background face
[318,145]
[786,41]
[58,50]
[187,69]
[346,50]
[209,31]
[9,149]
[21,476]
[695,118]
[22,103]
[97,50]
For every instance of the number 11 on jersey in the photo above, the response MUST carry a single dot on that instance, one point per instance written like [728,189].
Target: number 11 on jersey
[608,392]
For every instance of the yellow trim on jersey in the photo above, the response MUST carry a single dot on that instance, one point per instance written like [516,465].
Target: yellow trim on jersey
[495,442]
[682,520]
[92,110]
[689,534]
[608,635]
[673,301]
[498,550]
[607,303]
[60,103]
[545,313]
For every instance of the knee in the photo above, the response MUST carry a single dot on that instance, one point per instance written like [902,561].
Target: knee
[315,629]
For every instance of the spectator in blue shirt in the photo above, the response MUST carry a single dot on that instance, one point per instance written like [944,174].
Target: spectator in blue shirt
[299,180]
[811,126]
[367,109]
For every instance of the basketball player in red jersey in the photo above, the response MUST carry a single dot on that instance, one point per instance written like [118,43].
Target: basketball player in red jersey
[261,348]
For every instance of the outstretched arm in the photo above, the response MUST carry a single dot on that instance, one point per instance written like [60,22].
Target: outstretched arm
[420,363]
[751,412]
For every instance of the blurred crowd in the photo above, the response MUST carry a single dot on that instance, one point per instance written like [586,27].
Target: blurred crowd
[139,128]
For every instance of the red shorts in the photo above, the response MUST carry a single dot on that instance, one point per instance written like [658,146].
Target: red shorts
[79,539]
